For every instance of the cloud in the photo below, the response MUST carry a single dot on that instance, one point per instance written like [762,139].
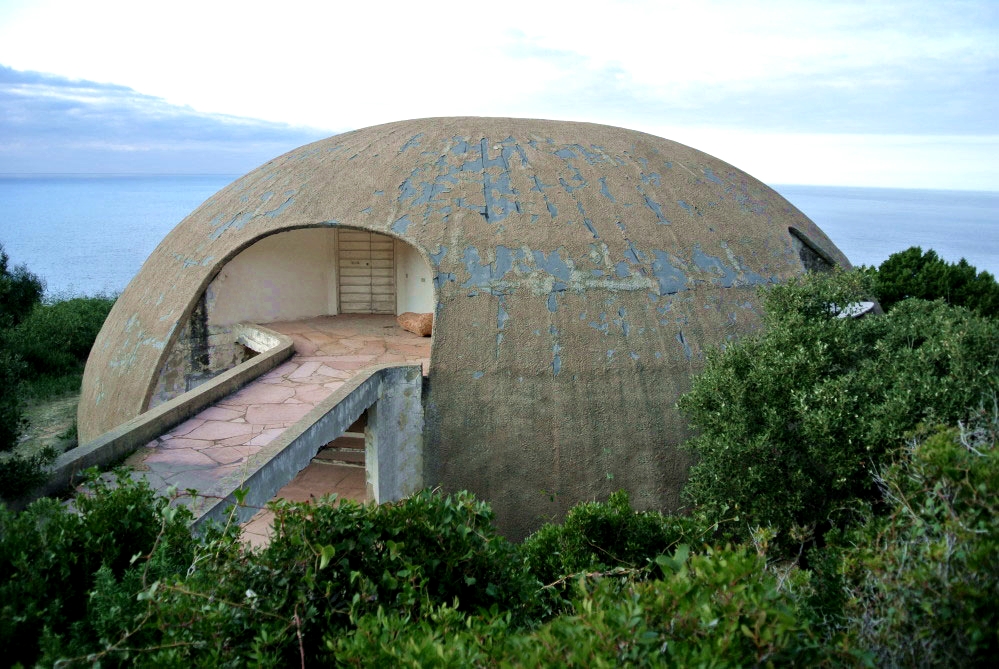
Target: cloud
[54,124]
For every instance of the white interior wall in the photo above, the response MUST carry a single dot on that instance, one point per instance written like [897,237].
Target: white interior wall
[285,276]
[292,275]
[413,280]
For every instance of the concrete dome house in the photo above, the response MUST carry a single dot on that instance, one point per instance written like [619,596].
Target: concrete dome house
[577,273]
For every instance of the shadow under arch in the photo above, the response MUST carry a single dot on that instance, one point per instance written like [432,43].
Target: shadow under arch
[280,275]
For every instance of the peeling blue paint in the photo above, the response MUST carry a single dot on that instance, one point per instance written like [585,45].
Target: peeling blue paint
[671,280]
[621,226]
[686,347]
[653,179]
[633,355]
[710,176]
[413,141]
[379,192]
[606,191]
[654,206]
[366,210]
[596,272]
[553,264]
[610,353]
[442,277]
[477,375]
[552,302]
[633,255]
[436,258]
[686,207]
[621,270]
[402,224]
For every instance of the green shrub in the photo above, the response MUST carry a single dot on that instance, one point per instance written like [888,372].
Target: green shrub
[51,559]
[603,535]
[792,420]
[20,474]
[55,339]
[328,565]
[912,273]
[11,404]
[20,291]
[721,608]
[922,582]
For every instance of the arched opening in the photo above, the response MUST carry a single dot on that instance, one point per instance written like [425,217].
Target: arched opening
[295,275]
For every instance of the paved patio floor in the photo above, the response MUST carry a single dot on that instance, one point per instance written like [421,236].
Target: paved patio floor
[217,442]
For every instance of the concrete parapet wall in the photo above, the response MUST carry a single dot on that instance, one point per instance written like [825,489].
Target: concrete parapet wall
[393,391]
[122,440]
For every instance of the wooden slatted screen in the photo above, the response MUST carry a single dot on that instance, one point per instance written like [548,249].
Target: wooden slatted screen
[367,273]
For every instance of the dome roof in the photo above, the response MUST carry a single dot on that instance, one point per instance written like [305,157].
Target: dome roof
[579,269]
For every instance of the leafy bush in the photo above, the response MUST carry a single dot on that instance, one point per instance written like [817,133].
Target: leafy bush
[51,559]
[722,608]
[603,535]
[55,339]
[11,405]
[20,474]
[912,273]
[792,420]
[326,566]
[921,582]
[20,291]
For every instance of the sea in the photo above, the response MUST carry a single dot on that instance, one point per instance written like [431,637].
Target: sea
[89,234]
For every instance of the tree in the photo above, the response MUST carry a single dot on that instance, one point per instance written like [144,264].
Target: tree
[793,420]
[912,273]
[20,291]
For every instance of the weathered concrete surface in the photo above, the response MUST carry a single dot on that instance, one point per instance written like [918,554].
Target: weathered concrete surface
[580,271]
[393,437]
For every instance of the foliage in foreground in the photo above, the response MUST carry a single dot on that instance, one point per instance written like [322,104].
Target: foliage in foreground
[791,421]
[426,581]
[921,583]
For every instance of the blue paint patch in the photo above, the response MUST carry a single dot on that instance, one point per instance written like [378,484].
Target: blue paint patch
[436,258]
[686,347]
[668,164]
[621,226]
[501,313]
[633,355]
[686,206]
[556,360]
[402,224]
[727,276]
[477,375]
[553,264]
[671,280]
[658,355]
[596,272]
[610,353]
[653,179]
[366,210]
[606,191]
[621,270]
[379,192]
[442,277]
[710,176]
[633,255]
[413,141]
[552,209]
[565,154]
[654,206]
[552,302]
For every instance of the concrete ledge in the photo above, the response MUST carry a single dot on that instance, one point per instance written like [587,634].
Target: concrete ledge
[277,463]
[274,348]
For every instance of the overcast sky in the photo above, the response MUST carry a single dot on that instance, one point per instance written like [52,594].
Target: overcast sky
[900,93]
